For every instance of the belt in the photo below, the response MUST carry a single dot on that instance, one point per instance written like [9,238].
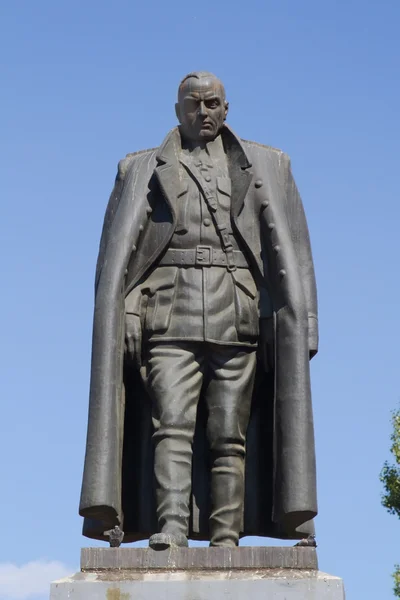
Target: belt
[202,256]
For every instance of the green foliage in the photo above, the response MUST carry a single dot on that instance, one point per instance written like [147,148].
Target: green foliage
[396,577]
[390,477]
[390,474]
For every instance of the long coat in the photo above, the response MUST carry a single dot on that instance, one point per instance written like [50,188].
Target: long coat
[268,218]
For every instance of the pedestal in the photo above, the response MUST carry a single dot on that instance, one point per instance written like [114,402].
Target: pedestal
[246,573]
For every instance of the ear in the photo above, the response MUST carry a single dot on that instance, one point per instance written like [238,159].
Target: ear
[178,112]
[226,109]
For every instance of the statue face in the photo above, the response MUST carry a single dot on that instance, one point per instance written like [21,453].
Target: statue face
[201,108]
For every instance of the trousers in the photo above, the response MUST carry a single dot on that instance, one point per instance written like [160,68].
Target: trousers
[175,375]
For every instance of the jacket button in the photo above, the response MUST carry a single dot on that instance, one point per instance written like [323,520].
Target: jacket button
[271,226]
[282,273]
[133,248]
[265,204]
[277,249]
[258,183]
[207,178]
[126,272]
[206,222]
[149,210]
[141,228]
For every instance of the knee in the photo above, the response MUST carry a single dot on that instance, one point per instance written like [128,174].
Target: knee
[170,418]
[226,435]
[173,427]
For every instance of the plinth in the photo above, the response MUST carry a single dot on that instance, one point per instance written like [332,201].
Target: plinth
[244,573]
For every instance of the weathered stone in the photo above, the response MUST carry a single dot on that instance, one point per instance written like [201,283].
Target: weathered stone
[245,557]
[271,584]
[199,574]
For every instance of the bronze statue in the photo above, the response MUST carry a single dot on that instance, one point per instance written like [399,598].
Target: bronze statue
[200,418]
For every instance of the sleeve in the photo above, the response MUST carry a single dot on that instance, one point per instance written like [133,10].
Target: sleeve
[301,240]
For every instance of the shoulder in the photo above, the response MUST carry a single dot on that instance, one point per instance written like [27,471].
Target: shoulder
[257,149]
[126,163]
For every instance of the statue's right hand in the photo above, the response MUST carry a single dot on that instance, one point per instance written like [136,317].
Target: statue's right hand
[133,339]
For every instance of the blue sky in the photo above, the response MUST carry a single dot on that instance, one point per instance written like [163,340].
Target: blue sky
[82,84]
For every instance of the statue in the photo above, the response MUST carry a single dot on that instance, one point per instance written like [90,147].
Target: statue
[200,417]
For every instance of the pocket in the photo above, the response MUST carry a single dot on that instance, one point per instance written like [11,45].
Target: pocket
[224,191]
[246,303]
[160,291]
[224,185]
[133,301]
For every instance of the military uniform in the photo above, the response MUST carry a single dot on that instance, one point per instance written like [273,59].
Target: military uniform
[193,294]
[200,315]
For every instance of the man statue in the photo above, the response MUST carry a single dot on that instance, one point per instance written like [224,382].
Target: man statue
[200,418]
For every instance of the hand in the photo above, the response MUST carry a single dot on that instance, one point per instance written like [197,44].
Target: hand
[133,339]
[266,344]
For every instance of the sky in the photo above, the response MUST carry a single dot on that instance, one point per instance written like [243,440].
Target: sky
[84,83]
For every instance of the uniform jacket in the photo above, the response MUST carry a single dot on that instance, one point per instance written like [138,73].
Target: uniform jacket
[268,218]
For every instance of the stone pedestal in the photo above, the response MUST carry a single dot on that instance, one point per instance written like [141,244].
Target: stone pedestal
[246,573]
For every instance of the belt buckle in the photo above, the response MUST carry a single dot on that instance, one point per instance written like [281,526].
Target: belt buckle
[204,256]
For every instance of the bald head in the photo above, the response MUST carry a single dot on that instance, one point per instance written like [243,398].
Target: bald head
[201,108]
[202,79]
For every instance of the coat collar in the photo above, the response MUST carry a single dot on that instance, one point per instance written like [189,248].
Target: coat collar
[168,156]
[172,145]
[170,148]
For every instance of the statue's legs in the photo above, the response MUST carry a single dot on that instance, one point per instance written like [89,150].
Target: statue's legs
[175,374]
[228,393]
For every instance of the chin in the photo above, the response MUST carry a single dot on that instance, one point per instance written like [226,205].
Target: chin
[207,135]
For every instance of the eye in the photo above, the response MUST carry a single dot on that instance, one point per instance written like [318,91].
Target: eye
[213,103]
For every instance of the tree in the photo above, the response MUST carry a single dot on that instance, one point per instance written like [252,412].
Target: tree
[390,477]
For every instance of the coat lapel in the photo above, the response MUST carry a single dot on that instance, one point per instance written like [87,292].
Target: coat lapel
[167,169]
[240,185]
[239,169]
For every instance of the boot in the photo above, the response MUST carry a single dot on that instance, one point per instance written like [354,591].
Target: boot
[162,541]
[227,497]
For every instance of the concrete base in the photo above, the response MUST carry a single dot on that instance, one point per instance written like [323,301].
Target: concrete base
[193,574]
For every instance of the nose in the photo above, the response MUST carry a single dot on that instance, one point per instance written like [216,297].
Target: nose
[202,109]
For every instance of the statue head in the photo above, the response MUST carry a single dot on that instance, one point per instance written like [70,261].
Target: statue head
[201,108]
